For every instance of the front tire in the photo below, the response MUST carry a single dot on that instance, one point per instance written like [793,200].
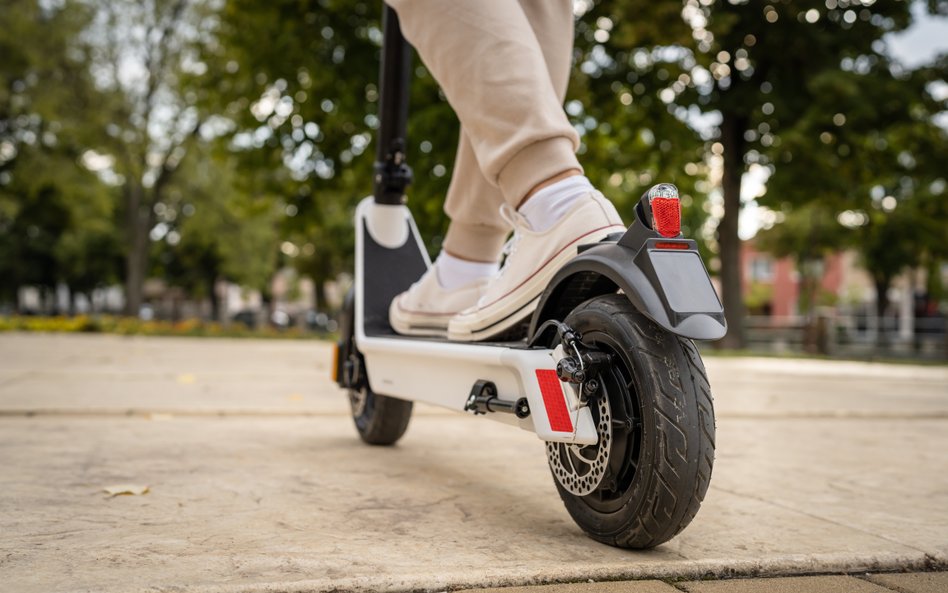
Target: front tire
[379,419]
[660,450]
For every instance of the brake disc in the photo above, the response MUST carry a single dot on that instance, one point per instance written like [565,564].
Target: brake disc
[580,469]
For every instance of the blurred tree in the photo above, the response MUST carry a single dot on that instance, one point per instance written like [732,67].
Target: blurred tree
[55,214]
[632,137]
[210,227]
[302,92]
[748,66]
[143,54]
[868,155]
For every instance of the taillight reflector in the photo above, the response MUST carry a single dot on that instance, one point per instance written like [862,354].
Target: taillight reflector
[553,401]
[670,245]
[666,216]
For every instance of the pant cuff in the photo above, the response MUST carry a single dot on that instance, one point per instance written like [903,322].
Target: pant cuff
[476,242]
[535,164]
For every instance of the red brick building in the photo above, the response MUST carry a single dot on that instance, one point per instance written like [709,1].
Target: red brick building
[772,286]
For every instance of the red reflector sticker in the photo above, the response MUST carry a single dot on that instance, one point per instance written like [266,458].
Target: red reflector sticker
[670,245]
[553,401]
[666,212]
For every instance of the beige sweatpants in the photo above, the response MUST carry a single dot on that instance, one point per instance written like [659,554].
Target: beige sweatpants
[504,66]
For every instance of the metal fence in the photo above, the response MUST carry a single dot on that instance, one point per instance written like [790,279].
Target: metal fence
[850,336]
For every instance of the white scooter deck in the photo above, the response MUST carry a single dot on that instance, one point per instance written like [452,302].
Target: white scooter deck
[389,257]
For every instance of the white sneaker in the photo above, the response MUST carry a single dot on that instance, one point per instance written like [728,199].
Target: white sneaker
[532,261]
[425,308]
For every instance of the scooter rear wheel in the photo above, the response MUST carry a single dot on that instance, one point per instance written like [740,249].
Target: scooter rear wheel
[656,431]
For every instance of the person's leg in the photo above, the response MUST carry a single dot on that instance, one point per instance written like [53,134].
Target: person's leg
[489,62]
[507,90]
[477,231]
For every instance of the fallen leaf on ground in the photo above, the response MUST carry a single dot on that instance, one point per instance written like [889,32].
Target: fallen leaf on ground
[186,379]
[295,397]
[126,489]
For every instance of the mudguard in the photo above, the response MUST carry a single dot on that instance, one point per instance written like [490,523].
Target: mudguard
[664,278]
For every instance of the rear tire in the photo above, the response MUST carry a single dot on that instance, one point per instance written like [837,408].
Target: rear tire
[661,444]
[379,419]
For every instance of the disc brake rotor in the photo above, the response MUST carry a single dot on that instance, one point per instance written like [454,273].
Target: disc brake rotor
[580,469]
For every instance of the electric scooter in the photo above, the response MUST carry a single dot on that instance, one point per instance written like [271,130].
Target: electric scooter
[604,370]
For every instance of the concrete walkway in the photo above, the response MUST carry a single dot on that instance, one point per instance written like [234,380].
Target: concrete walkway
[257,481]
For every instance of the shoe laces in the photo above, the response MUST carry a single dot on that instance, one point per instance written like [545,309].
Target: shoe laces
[517,221]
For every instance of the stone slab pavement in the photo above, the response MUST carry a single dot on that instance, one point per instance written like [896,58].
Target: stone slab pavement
[924,582]
[257,481]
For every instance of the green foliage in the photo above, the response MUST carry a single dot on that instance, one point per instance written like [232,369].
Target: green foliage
[631,139]
[863,167]
[759,295]
[55,216]
[239,136]
[303,88]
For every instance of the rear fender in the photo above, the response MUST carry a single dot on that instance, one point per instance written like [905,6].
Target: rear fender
[665,279]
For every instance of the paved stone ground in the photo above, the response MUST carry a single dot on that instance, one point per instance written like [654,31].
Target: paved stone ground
[927,582]
[257,481]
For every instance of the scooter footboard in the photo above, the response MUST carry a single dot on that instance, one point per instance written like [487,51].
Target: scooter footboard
[443,374]
[436,371]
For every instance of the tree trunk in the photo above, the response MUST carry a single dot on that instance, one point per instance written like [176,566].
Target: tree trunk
[215,298]
[136,242]
[882,304]
[134,279]
[732,138]
[319,294]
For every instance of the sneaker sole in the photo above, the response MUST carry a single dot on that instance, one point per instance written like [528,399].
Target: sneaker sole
[409,324]
[521,302]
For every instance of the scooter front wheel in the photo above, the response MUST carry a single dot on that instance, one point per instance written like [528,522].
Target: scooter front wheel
[379,419]
[643,482]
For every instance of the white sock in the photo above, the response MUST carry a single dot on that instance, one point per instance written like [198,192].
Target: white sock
[454,272]
[551,203]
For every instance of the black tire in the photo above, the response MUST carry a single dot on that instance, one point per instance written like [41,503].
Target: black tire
[379,419]
[662,445]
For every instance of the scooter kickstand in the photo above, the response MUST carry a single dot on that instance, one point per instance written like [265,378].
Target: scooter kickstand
[484,399]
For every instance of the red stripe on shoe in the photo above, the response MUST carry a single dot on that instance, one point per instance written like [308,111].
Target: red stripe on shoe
[549,259]
[553,401]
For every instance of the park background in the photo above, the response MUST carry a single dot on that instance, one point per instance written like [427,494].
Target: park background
[193,166]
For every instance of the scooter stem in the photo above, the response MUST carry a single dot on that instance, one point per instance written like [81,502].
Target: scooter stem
[392,173]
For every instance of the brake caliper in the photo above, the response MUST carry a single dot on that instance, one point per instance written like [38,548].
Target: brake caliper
[579,366]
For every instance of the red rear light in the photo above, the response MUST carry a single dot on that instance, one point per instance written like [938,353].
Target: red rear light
[666,216]
[671,245]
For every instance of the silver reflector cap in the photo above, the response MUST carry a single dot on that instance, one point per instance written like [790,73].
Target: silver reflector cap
[662,190]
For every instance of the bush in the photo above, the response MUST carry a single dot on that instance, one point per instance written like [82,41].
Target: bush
[131,326]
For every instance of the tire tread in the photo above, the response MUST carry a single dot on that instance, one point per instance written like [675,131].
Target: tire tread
[680,396]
